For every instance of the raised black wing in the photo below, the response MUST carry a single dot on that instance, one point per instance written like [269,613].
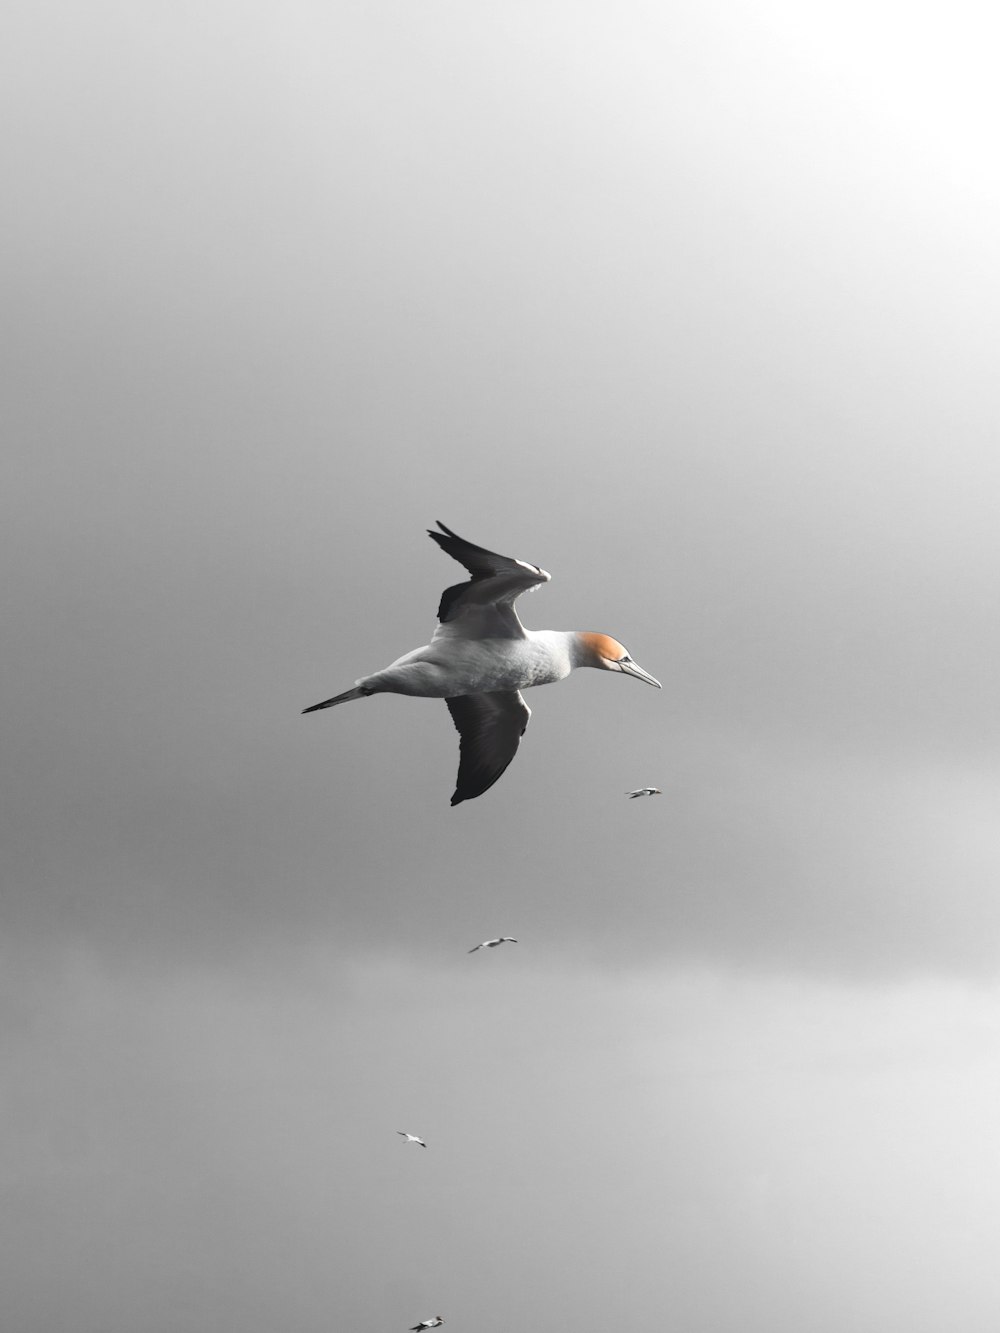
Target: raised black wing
[497,581]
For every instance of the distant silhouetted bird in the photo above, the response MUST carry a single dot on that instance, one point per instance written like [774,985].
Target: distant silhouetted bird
[492,944]
[481,657]
[643,791]
[411,1138]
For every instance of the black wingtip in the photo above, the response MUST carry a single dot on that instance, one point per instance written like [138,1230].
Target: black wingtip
[447,533]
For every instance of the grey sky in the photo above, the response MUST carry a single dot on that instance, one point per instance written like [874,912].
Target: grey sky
[695,307]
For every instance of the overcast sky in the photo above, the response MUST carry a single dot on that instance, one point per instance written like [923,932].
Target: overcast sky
[696,307]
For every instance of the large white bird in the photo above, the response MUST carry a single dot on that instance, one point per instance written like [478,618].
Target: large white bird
[411,1138]
[481,657]
[427,1323]
[492,944]
[643,791]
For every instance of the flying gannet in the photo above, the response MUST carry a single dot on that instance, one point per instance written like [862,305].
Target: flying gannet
[411,1138]
[492,944]
[427,1323]
[481,657]
[643,791]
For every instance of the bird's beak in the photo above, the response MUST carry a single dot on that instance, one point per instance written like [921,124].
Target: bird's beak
[634,669]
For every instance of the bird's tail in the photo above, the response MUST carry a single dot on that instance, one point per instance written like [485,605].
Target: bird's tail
[359,692]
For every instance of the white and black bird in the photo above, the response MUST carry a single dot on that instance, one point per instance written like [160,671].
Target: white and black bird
[436,1322]
[492,944]
[411,1138]
[643,791]
[481,657]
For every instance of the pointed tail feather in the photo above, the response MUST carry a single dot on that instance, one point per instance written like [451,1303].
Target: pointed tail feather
[357,693]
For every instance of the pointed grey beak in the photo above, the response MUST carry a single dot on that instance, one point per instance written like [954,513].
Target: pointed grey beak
[634,669]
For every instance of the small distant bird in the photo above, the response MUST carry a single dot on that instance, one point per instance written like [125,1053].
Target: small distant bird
[411,1138]
[492,944]
[481,657]
[427,1323]
[643,791]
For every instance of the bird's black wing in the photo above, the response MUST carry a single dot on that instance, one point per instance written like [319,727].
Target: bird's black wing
[490,726]
[497,581]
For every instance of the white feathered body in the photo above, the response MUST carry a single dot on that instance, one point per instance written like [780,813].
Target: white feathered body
[452,665]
